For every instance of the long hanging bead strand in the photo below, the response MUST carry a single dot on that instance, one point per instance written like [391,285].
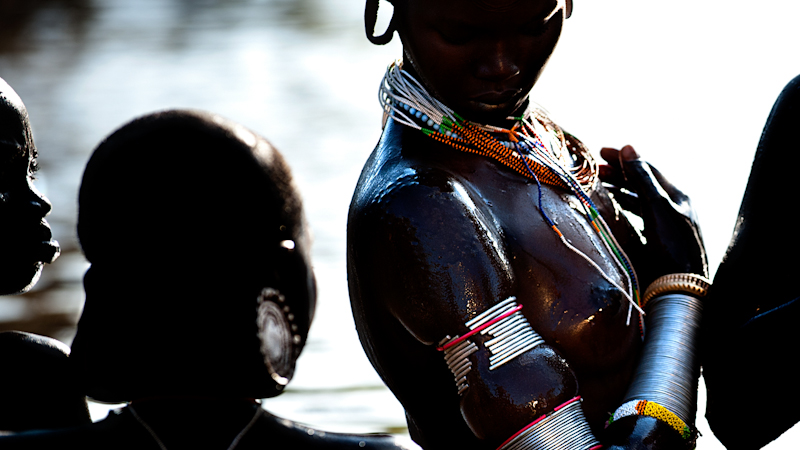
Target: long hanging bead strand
[595,219]
[611,245]
[541,153]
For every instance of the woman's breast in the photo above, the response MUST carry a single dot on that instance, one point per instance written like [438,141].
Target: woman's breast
[574,294]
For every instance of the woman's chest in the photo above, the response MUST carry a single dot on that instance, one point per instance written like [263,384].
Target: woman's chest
[568,273]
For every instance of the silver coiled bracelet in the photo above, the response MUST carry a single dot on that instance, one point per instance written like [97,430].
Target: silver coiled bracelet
[664,385]
[565,428]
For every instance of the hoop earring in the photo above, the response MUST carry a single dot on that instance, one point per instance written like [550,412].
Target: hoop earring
[370,18]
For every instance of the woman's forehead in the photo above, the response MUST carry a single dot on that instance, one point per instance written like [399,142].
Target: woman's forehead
[497,5]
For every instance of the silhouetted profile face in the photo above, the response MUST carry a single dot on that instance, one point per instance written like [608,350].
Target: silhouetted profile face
[25,239]
[480,57]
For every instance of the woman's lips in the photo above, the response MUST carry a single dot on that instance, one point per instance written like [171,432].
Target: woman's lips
[31,251]
[42,246]
[496,98]
[49,248]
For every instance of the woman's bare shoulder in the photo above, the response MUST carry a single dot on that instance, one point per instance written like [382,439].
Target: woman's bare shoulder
[395,180]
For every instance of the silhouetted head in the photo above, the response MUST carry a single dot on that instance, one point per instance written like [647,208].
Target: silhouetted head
[38,391]
[25,239]
[200,281]
[479,57]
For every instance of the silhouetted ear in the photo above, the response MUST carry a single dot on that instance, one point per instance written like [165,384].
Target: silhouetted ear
[569,8]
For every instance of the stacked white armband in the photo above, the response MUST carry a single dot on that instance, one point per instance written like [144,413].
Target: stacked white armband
[510,336]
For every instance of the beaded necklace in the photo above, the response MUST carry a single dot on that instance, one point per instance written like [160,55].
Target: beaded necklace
[533,147]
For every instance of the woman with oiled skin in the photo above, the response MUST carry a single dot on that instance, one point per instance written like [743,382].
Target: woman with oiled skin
[442,230]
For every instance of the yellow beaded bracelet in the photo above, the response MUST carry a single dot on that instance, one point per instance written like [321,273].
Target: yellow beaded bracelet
[688,283]
[652,409]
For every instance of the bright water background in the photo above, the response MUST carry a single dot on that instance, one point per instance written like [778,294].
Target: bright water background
[688,83]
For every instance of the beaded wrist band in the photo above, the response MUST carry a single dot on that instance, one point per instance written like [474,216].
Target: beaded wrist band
[652,409]
[564,428]
[687,283]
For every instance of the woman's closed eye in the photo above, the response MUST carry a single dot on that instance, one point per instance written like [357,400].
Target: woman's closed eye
[536,27]
[456,35]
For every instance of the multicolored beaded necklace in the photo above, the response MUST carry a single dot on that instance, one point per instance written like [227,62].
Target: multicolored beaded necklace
[533,147]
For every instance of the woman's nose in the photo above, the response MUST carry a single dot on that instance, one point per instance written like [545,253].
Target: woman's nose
[498,62]
[42,203]
[30,203]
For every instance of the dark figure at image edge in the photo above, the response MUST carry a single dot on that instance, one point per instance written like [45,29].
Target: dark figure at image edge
[437,236]
[37,389]
[200,292]
[749,332]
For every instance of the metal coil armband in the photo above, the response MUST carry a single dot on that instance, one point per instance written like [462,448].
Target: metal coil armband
[564,428]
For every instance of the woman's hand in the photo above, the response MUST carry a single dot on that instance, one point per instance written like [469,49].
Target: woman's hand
[674,243]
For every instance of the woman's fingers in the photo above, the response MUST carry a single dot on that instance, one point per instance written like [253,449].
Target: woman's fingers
[627,200]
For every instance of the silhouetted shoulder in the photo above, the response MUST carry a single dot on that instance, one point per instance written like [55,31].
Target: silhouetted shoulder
[286,434]
[121,431]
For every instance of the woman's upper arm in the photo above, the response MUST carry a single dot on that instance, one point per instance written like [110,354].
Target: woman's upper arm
[429,255]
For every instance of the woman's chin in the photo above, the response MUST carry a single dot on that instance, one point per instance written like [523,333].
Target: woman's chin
[492,113]
[20,279]
[48,251]
[22,265]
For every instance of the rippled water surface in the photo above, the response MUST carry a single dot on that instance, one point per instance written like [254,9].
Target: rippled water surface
[690,86]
